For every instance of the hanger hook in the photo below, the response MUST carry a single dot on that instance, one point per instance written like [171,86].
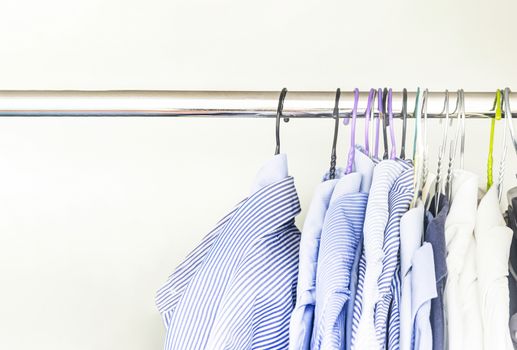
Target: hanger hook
[393,154]
[278,115]
[351,152]
[385,122]
[335,114]
[508,114]
[367,117]
[377,123]
[425,169]
[404,124]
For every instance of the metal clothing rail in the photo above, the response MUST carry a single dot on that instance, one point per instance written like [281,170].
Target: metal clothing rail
[134,103]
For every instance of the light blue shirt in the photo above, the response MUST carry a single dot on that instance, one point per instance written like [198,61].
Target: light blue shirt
[371,264]
[411,232]
[300,329]
[423,289]
[387,317]
[213,300]
[340,237]
[301,325]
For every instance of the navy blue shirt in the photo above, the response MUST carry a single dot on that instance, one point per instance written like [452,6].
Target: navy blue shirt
[435,234]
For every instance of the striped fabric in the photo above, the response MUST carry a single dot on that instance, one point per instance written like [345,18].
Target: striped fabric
[387,307]
[300,329]
[394,313]
[236,289]
[367,171]
[371,264]
[340,237]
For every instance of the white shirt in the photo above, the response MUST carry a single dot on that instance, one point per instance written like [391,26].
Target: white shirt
[463,319]
[493,240]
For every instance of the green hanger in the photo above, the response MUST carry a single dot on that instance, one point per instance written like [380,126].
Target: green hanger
[498,113]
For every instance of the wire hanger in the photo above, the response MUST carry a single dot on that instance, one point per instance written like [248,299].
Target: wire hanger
[425,158]
[351,152]
[367,117]
[463,117]
[502,163]
[490,160]
[404,124]
[508,110]
[441,152]
[278,115]
[335,114]
[508,123]
[453,146]
[417,126]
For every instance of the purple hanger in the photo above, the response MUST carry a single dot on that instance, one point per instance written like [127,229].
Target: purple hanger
[392,129]
[378,122]
[371,95]
[351,152]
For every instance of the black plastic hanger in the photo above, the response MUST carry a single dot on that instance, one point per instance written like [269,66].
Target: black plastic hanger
[385,123]
[278,115]
[404,124]
[335,114]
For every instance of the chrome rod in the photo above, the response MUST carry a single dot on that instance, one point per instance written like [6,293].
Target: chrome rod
[134,103]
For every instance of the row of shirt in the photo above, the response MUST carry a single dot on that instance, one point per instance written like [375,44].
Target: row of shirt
[372,268]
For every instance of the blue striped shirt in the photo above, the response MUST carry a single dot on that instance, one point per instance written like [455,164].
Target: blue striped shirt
[339,241]
[300,329]
[371,264]
[236,289]
[387,313]
[302,319]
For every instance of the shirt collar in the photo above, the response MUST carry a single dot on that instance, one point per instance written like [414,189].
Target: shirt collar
[274,170]
[460,222]
[310,239]
[411,229]
[364,165]
[350,183]
[436,236]
[489,211]
[463,204]
[423,281]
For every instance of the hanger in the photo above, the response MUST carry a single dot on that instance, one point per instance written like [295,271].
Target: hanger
[335,114]
[508,112]
[393,154]
[367,116]
[385,122]
[417,127]
[463,117]
[278,115]
[490,160]
[452,151]
[512,193]
[441,152]
[351,152]
[425,158]
[404,124]
[377,123]
[417,150]
[426,182]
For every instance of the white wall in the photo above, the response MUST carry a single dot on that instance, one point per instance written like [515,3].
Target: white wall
[95,213]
